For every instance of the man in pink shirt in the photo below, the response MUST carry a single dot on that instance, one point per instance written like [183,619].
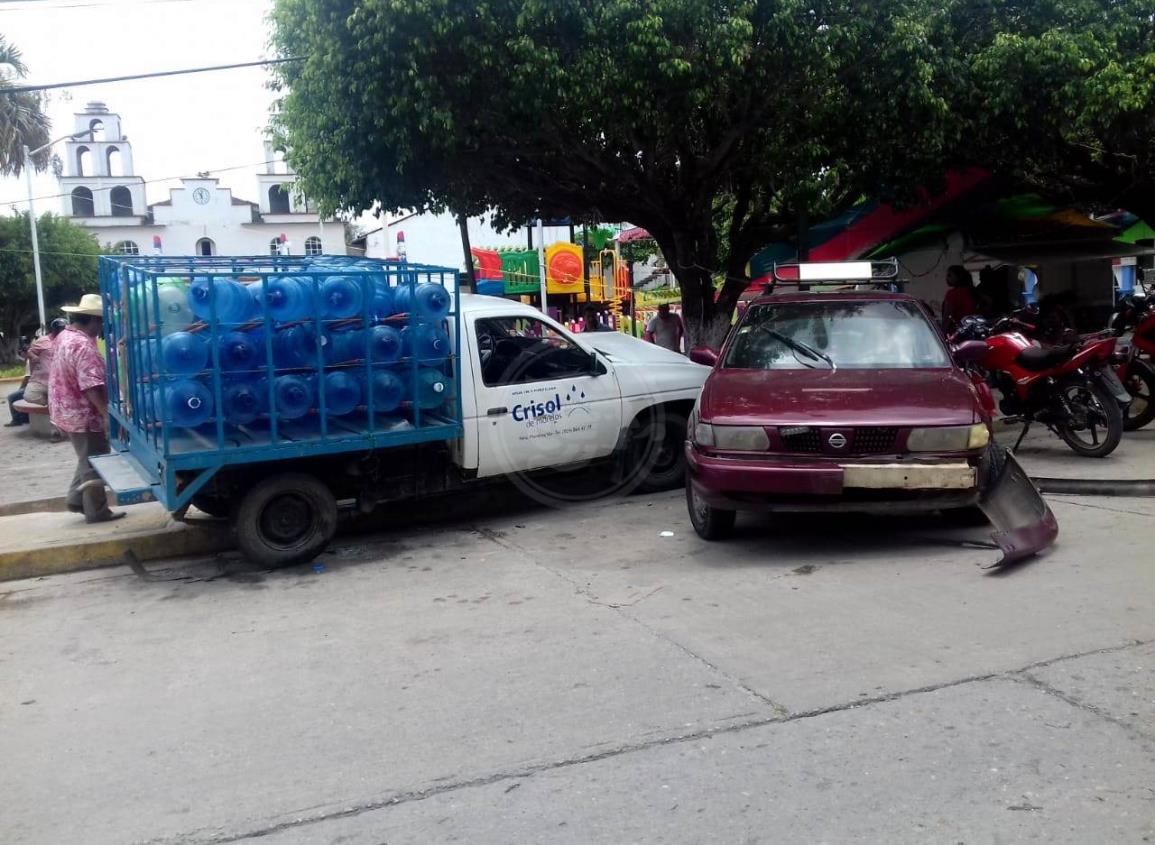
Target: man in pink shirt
[78,404]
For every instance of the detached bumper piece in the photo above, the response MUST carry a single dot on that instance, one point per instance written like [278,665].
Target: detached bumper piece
[1024,524]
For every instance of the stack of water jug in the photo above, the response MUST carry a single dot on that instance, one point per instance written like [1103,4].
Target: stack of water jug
[340,345]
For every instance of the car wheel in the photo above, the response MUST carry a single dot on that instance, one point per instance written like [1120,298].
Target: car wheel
[709,523]
[285,519]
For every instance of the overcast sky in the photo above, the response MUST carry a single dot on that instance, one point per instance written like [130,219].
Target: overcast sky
[177,125]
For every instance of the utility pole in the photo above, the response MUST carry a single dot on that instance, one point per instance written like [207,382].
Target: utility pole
[541,262]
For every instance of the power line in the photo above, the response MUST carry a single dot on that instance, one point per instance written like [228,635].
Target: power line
[17,89]
[36,5]
[143,182]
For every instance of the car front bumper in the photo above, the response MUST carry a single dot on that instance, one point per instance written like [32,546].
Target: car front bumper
[800,485]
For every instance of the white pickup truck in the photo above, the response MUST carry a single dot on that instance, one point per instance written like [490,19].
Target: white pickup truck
[534,398]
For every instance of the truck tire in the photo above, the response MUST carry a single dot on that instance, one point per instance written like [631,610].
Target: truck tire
[709,523]
[216,506]
[658,450]
[285,519]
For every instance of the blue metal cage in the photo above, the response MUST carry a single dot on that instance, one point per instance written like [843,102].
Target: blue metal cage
[175,384]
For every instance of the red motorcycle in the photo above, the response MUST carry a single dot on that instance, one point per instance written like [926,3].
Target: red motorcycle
[1072,388]
[1136,314]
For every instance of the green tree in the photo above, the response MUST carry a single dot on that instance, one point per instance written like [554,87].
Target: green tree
[717,126]
[1064,95]
[22,118]
[68,266]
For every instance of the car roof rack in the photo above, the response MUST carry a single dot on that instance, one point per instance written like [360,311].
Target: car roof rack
[871,274]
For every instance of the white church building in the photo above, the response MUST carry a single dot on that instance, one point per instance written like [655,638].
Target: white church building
[101,191]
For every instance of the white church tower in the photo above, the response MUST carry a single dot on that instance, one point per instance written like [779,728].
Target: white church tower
[99,185]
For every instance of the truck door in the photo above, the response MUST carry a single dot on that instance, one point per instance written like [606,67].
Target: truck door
[542,400]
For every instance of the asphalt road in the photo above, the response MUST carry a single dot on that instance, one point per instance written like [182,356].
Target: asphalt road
[577,677]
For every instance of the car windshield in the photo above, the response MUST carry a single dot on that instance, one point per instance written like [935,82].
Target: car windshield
[856,335]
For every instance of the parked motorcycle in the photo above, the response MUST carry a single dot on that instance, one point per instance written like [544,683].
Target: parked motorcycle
[1136,314]
[1072,388]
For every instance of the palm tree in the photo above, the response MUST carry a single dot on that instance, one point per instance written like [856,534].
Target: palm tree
[22,118]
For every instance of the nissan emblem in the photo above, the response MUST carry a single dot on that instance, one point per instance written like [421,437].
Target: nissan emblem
[836,440]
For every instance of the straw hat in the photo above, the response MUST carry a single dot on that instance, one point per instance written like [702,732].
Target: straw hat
[90,304]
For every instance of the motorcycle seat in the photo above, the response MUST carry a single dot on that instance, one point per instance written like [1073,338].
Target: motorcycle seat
[1036,359]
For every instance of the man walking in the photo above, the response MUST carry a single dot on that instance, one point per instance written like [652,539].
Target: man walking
[78,404]
[666,329]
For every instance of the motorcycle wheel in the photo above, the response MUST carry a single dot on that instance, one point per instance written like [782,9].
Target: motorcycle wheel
[1104,427]
[1140,383]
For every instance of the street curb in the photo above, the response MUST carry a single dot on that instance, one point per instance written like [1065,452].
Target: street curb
[1137,488]
[53,505]
[176,539]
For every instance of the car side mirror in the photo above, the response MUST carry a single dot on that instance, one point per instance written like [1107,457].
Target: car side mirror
[704,355]
[970,351]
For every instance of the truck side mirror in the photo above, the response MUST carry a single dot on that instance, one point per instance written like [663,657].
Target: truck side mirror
[597,368]
[704,355]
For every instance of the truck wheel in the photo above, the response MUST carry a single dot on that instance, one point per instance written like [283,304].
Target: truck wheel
[658,452]
[710,523]
[285,519]
[213,505]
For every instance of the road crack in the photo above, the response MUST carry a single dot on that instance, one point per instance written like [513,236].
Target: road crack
[204,837]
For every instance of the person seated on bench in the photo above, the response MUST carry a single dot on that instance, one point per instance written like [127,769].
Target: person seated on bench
[34,388]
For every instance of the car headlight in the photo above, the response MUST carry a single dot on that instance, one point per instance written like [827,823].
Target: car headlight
[948,438]
[732,438]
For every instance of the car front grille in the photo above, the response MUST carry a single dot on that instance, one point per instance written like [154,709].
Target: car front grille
[873,440]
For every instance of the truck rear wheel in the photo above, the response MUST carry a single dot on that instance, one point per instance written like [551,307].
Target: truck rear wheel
[285,519]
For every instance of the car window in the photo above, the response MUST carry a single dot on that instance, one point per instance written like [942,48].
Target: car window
[514,350]
[891,334]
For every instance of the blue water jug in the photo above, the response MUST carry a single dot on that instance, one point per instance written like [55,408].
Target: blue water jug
[284,298]
[342,393]
[382,304]
[342,297]
[184,403]
[241,350]
[432,389]
[425,342]
[293,396]
[172,301]
[387,388]
[243,399]
[232,301]
[344,345]
[183,353]
[430,301]
[295,347]
[385,344]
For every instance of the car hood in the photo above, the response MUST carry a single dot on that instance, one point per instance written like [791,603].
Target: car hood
[899,397]
[645,369]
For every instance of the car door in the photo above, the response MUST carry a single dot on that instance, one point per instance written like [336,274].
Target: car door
[542,400]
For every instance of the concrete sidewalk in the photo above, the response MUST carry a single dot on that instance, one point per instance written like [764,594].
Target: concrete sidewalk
[47,543]
[1044,455]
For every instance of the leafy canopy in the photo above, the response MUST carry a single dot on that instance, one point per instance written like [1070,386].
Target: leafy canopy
[715,125]
[68,264]
[22,118]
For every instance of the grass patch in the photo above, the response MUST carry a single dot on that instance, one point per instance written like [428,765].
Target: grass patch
[12,371]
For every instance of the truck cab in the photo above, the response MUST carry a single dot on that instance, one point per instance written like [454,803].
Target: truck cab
[535,396]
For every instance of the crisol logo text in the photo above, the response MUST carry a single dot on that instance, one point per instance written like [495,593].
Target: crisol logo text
[533,410]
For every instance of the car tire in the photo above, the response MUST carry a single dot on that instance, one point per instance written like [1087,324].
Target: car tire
[285,519]
[710,523]
[658,452]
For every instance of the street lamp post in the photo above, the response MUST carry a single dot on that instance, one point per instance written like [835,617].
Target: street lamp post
[32,217]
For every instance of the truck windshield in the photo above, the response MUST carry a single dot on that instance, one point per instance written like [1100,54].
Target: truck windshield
[856,335]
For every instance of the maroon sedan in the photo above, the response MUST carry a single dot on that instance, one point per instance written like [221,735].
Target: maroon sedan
[849,401]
